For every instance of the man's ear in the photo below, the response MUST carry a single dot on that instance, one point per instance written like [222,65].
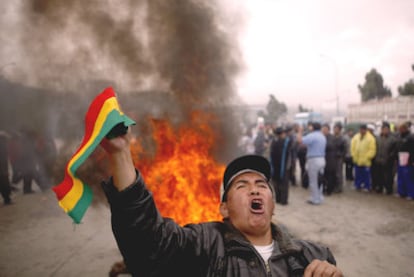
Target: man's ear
[224,210]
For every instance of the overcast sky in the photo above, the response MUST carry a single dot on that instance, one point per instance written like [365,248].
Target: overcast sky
[297,50]
[303,52]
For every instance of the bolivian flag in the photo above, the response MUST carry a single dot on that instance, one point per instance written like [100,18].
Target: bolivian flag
[103,114]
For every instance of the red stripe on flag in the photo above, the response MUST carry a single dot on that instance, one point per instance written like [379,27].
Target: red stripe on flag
[64,187]
[93,113]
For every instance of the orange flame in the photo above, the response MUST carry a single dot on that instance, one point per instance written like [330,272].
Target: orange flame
[184,177]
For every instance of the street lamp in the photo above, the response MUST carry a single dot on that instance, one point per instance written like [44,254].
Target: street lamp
[333,61]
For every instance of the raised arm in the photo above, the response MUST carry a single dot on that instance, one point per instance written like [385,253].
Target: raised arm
[145,239]
[120,159]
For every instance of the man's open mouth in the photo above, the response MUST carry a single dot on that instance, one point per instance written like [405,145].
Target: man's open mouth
[256,206]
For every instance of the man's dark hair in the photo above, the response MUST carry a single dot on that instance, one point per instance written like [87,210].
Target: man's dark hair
[385,124]
[316,126]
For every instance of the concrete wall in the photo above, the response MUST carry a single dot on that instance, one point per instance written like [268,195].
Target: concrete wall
[395,110]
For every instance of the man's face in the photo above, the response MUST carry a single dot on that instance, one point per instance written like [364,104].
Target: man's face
[403,129]
[385,131]
[250,204]
[325,130]
[362,131]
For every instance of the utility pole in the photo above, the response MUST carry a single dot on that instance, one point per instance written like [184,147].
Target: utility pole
[335,65]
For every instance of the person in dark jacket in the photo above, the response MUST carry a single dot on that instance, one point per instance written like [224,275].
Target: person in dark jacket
[290,132]
[405,175]
[340,151]
[280,161]
[245,243]
[16,157]
[302,153]
[384,160]
[329,175]
[349,165]
[5,188]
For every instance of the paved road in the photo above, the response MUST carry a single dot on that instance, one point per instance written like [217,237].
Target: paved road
[370,234]
[38,239]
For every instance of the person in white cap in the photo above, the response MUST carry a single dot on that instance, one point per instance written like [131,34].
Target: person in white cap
[245,243]
[371,127]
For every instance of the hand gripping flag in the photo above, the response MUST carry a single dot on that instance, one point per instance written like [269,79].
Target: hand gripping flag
[103,115]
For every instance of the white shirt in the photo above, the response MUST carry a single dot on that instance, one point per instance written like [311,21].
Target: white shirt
[265,251]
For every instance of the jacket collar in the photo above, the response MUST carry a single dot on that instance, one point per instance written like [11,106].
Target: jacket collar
[236,241]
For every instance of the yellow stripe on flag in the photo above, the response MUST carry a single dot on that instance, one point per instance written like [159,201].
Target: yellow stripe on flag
[72,197]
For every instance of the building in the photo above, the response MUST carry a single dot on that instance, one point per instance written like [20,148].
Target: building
[394,110]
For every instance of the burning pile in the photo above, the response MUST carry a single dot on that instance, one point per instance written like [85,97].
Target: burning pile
[183,176]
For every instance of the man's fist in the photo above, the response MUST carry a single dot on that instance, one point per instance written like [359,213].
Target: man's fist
[318,268]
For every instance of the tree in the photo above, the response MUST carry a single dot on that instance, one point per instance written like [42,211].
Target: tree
[373,88]
[275,109]
[302,109]
[408,88]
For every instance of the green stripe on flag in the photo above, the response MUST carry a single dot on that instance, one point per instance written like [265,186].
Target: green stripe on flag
[79,210]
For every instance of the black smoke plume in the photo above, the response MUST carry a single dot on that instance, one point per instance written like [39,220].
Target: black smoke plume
[165,58]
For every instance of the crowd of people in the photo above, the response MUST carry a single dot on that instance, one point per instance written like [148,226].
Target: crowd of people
[380,161]
[28,157]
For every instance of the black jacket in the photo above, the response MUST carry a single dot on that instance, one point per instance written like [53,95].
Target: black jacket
[155,246]
[406,144]
[280,157]
[386,150]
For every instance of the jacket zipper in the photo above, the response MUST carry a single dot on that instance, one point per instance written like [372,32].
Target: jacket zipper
[264,264]
[268,273]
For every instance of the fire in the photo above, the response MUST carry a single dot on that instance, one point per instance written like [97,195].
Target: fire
[182,174]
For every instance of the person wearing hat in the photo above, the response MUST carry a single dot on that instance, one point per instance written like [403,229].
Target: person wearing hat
[245,243]
[371,128]
[363,150]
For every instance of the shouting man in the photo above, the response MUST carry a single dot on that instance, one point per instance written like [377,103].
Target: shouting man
[245,243]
